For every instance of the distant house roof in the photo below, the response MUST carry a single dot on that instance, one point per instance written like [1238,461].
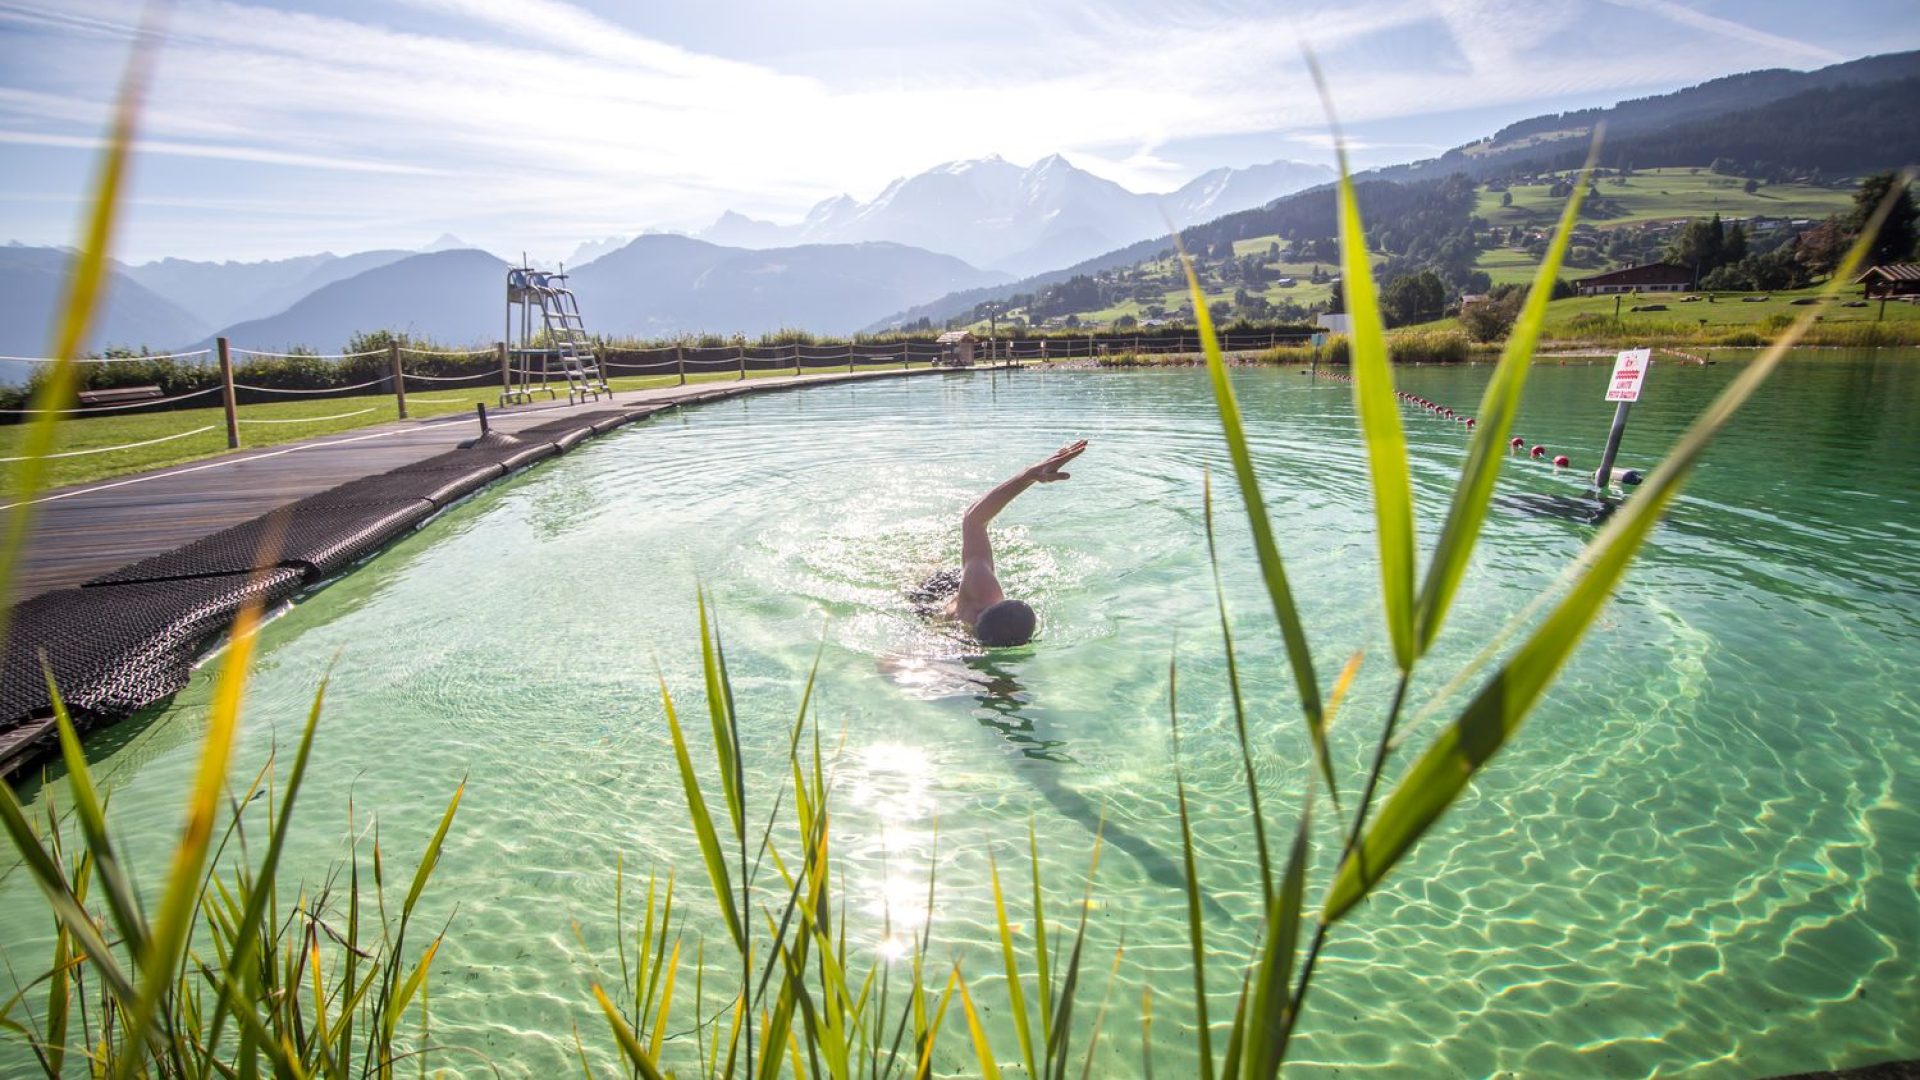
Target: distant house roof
[1644,274]
[1890,272]
[954,337]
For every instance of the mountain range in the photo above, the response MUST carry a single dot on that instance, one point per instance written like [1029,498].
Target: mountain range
[935,244]
[657,285]
[1000,216]
[1846,119]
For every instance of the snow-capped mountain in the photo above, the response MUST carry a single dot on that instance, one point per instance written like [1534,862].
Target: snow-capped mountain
[995,214]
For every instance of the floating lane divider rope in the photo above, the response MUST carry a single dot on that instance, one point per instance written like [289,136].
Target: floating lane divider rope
[309,419]
[147,403]
[122,446]
[1514,445]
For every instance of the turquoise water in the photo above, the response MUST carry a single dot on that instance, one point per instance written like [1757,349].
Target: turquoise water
[1698,860]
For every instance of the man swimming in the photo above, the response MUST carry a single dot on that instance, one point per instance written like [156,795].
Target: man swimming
[977,599]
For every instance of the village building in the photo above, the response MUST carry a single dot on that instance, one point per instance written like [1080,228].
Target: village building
[956,348]
[1648,277]
[1891,279]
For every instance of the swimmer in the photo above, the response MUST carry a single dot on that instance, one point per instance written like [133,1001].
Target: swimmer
[977,599]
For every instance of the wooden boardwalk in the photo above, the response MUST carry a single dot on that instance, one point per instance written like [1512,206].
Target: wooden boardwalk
[80,532]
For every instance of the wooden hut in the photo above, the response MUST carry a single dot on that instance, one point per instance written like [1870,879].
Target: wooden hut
[956,348]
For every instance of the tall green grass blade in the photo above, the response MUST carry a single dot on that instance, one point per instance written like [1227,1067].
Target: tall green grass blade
[1237,1035]
[1272,570]
[1487,448]
[86,284]
[431,857]
[1270,1024]
[982,1049]
[122,902]
[1438,777]
[720,713]
[1042,958]
[1196,926]
[703,829]
[1016,994]
[244,957]
[397,1004]
[623,1035]
[1379,412]
[166,945]
[1239,703]
[1060,1035]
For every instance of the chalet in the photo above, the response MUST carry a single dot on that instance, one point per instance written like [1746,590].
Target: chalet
[1648,277]
[956,348]
[1891,279]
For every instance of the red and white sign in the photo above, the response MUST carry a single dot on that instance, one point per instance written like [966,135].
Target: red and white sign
[1629,371]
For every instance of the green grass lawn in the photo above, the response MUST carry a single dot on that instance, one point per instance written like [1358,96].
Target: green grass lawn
[293,420]
[1725,312]
[1663,194]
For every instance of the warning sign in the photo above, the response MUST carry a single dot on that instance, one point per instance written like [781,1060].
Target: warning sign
[1629,371]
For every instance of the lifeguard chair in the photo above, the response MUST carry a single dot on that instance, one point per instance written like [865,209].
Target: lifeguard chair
[551,339]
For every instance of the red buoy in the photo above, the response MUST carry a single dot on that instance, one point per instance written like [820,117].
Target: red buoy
[1562,461]
[1469,421]
[1539,451]
[1516,442]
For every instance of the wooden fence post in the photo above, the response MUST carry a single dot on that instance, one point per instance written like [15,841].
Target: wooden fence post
[399,381]
[226,380]
[796,359]
[506,372]
[743,363]
[680,362]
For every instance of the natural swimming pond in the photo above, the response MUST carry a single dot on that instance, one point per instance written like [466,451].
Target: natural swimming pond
[1699,859]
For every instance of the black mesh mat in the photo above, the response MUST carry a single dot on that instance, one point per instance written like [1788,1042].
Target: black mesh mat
[117,650]
[379,489]
[455,461]
[319,538]
[438,486]
[550,428]
[618,419]
[516,457]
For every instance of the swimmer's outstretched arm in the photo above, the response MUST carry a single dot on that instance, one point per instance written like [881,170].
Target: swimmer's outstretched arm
[974,546]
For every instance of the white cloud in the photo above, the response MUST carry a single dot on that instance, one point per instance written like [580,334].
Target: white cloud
[530,123]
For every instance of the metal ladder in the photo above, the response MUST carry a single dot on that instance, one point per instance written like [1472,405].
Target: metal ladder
[567,337]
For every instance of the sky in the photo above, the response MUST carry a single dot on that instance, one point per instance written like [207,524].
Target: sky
[285,127]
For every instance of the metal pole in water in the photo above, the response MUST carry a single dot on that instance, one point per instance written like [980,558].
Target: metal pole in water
[481,408]
[1613,447]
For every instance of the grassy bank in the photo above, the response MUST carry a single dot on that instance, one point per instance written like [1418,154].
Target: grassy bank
[263,426]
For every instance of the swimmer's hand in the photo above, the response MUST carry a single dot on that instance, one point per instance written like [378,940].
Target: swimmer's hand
[1048,471]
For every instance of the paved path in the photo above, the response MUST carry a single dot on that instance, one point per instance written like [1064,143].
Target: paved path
[80,532]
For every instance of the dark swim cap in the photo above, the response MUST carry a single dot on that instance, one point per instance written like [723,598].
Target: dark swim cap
[1009,622]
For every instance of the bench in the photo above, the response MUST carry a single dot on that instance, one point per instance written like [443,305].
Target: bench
[119,394]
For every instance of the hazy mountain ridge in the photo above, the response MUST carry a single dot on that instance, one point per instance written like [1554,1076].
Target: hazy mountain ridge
[221,293]
[655,285]
[32,283]
[998,215]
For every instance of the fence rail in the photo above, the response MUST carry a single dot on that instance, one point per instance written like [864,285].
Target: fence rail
[497,363]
